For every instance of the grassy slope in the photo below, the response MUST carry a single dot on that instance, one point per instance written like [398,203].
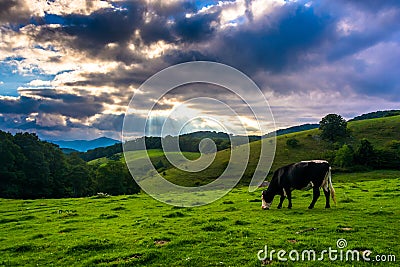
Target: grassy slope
[139,231]
[154,154]
[378,131]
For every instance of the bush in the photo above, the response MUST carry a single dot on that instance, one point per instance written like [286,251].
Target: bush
[387,159]
[344,157]
[329,155]
[394,144]
[365,154]
[292,142]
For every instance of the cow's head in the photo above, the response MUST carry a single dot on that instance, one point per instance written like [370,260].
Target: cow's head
[266,199]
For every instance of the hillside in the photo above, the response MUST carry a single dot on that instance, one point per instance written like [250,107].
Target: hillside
[379,132]
[377,114]
[294,129]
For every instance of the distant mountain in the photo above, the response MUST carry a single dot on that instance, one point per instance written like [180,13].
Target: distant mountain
[377,114]
[294,129]
[85,145]
[68,150]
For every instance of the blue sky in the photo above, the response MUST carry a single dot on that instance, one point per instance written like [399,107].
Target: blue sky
[68,70]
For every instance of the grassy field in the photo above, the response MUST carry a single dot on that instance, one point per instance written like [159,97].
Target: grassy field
[139,231]
[155,154]
[378,131]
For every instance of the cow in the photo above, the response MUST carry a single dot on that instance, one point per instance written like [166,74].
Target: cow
[303,175]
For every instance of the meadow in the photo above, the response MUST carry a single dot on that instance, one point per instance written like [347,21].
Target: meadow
[136,230]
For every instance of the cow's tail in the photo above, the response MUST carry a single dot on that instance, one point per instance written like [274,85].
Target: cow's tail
[331,186]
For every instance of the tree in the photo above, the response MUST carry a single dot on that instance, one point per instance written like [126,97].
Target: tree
[114,178]
[79,179]
[333,127]
[344,156]
[365,154]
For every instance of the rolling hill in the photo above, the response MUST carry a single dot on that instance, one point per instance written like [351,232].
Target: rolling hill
[379,132]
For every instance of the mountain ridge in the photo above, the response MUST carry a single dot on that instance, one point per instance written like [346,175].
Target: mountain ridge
[85,145]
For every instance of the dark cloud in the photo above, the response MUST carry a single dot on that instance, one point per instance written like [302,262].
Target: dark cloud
[48,101]
[172,9]
[118,25]
[101,27]
[109,122]
[156,30]
[196,28]
[274,46]
[14,11]
[21,105]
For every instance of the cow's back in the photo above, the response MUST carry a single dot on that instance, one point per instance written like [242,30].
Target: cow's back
[300,174]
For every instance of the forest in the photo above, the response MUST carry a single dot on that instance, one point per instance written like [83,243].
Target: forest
[31,168]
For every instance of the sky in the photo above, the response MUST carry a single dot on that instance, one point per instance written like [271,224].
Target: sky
[68,69]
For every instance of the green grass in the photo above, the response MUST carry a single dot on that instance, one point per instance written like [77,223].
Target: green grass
[138,156]
[139,231]
[378,131]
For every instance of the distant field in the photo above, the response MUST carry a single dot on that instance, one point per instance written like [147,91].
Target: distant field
[151,153]
[139,231]
[378,131]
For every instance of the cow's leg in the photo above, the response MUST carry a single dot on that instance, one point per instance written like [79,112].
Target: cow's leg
[316,194]
[289,197]
[281,201]
[327,194]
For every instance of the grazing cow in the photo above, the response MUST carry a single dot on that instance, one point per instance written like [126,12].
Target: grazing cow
[303,175]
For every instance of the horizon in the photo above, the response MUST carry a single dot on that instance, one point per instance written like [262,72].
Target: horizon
[69,70]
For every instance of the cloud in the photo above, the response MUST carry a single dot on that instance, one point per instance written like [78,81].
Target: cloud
[274,46]
[109,122]
[50,102]
[13,11]
[78,63]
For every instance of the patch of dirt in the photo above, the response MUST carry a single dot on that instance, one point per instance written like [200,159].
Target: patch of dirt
[266,262]
[161,242]
[306,230]
[293,241]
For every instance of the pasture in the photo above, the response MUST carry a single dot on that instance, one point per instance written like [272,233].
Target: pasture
[136,230]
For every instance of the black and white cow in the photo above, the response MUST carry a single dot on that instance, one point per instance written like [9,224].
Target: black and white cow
[303,175]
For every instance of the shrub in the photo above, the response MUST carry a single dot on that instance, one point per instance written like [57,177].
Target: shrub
[344,156]
[387,159]
[365,154]
[292,142]
[394,144]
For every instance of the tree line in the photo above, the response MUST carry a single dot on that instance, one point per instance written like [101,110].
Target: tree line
[187,143]
[31,168]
